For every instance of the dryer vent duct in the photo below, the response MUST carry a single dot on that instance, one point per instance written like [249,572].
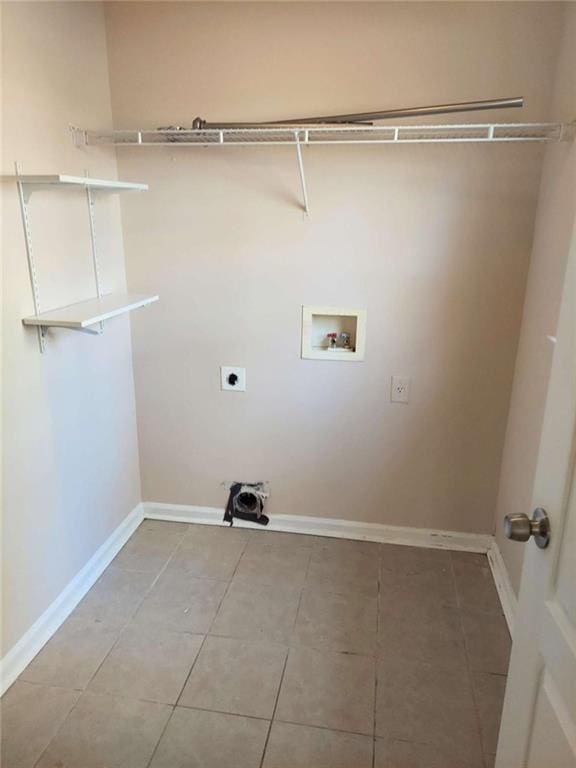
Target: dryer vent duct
[246,502]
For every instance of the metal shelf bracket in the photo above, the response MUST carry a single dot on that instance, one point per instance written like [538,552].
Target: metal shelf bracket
[95,264]
[24,196]
[301,169]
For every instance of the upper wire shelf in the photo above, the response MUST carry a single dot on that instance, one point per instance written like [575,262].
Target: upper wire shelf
[302,135]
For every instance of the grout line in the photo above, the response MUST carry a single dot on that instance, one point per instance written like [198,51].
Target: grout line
[199,649]
[311,646]
[40,684]
[468,668]
[190,671]
[188,708]
[207,633]
[162,732]
[300,596]
[113,646]
[374,719]
[139,605]
[274,709]
[51,741]
[324,728]
[288,651]
[376,658]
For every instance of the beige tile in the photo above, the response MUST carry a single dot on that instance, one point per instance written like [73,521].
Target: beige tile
[146,560]
[258,613]
[335,622]
[144,555]
[74,653]
[199,533]
[208,559]
[197,739]
[269,565]
[487,641]
[421,703]
[299,746]
[31,716]
[489,693]
[330,690]
[431,588]
[347,547]
[406,560]
[235,676]
[348,573]
[470,558]
[116,595]
[181,602]
[475,586]
[148,662]
[150,546]
[162,529]
[350,546]
[405,754]
[284,540]
[418,631]
[107,731]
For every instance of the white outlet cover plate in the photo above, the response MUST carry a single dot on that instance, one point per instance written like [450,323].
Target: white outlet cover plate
[225,371]
[400,389]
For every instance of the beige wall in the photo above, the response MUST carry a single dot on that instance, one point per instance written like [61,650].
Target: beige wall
[433,241]
[554,227]
[70,451]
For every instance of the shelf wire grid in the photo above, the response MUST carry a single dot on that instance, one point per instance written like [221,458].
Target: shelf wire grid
[323,135]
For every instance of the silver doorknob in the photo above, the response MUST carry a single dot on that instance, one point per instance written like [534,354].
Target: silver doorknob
[520,528]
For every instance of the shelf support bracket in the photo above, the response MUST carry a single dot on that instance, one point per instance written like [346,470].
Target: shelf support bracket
[95,264]
[23,196]
[301,170]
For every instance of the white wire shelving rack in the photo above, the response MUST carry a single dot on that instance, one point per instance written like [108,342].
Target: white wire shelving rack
[293,135]
[322,135]
[83,315]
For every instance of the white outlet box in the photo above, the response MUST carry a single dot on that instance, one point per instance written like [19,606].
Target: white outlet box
[232,378]
[400,389]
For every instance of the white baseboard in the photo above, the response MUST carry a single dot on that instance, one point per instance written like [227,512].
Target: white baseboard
[501,578]
[42,630]
[323,526]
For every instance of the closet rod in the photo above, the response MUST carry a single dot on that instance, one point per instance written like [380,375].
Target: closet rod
[386,114]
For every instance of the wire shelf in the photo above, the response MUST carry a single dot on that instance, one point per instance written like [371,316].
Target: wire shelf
[321,135]
[299,136]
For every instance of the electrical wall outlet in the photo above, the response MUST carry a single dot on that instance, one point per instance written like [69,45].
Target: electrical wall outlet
[233,378]
[400,389]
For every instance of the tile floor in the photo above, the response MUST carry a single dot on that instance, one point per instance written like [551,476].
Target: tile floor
[205,647]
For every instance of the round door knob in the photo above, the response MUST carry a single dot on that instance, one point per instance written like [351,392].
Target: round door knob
[519,527]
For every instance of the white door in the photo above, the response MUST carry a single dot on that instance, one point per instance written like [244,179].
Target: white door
[539,720]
